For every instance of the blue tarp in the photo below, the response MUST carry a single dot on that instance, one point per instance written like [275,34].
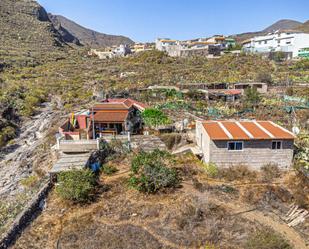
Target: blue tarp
[95,167]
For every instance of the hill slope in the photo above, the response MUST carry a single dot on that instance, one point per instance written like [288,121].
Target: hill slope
[304,27]
[279,25]
[26,33]
[25,23]
[86,36]
[282,24]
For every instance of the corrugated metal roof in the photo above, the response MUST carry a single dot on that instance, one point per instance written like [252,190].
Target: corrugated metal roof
[245,130]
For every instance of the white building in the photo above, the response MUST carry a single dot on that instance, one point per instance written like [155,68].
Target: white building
[292,42]
[163,44]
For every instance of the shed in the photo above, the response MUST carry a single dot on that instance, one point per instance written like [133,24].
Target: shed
[248,142]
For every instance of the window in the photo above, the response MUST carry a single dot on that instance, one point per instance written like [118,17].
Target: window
[235,145]
[276,145]
[288,42]
[265,42]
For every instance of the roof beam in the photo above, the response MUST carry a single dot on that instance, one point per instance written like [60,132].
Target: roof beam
[244,130]
[283,129]
[263,129]
[225,130]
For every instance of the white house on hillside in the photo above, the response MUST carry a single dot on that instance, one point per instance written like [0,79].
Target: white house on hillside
[163,44]
[292,42]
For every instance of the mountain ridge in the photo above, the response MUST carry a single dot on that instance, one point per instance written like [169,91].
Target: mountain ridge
[283,24]
[87,36]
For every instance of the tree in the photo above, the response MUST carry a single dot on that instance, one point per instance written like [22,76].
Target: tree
[153,117]
[150,171]
[252,97]
[76,185]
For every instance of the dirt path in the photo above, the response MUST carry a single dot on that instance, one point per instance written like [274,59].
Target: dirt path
[235,207]
[253,215]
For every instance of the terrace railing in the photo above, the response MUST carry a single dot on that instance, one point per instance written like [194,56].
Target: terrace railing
[82,145]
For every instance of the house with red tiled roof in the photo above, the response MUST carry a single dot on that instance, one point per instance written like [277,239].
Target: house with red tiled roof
[109,117]
[248,142]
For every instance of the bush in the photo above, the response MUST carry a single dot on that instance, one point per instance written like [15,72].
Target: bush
[30,181]
[171,140]
[211,169]
[6,134]
[108,169]
[154,117]
[150,172]
[264,77]
[239,172]
[252,97]
[269,172]
[302,64]
[298,184]
[289,91]
[267,239]
[76,185]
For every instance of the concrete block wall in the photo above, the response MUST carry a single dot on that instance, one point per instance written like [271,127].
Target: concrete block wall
[30,212]
[255,154]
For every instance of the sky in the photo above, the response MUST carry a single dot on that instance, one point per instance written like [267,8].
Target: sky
[145,20]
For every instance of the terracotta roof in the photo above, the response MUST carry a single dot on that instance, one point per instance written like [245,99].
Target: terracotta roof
[110,106]
[112,117]
[245,130]
[120,104]
[202,42]
[232,92]
[168,41]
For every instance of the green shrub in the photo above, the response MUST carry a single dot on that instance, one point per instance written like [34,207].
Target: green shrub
[150,172]
[211,169]
[30,181]
[108,169]
[154,117]
[252,97]
[302,64]
[76,185]
[266,239]
[6,134]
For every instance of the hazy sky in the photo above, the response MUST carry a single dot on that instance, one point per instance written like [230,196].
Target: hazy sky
[144,20]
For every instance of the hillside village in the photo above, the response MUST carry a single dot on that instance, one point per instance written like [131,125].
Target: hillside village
[107,143]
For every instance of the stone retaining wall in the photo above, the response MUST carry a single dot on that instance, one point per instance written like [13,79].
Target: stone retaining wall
[31,211]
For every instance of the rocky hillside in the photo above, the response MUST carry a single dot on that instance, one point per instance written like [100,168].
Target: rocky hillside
[86,36]
[66,35]
[304,27]
[279,25]
[26,33]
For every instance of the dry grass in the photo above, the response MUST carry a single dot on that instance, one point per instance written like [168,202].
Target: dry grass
[236,173]
[299,185]
[124,218]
